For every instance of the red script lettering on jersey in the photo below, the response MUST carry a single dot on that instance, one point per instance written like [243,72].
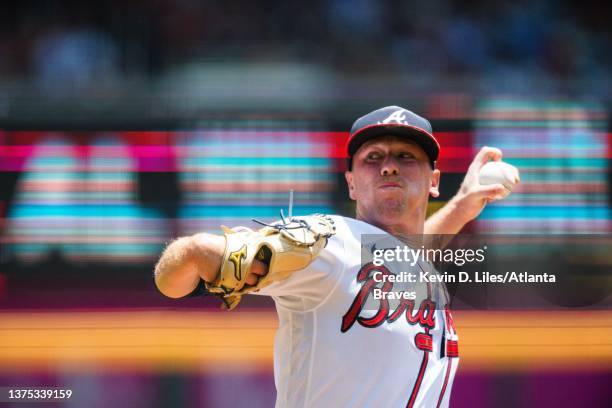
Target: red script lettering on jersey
[424,316]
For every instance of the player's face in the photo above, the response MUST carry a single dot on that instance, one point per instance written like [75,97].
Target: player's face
[391,181]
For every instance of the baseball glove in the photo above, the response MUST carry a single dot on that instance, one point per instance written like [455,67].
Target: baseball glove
[286,246]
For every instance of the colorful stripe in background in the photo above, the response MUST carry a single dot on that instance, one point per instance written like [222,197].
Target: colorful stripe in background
[561,150]
[195,341]
[229,177]
[78,195]
[81,200]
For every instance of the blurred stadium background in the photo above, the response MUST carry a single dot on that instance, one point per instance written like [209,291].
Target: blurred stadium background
[124,124]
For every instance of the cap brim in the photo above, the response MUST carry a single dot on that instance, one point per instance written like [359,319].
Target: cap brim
[426,140]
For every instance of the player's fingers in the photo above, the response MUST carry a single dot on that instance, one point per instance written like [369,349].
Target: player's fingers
[258,269]
[487,154]
[493,192]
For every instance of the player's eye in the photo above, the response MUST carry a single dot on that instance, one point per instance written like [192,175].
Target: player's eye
[373,156]
[406,156]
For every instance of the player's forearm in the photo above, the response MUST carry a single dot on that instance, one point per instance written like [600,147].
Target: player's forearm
[449,219]
[187,260]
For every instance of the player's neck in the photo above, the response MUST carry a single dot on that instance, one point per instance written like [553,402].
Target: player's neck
[398,226]
[402,230]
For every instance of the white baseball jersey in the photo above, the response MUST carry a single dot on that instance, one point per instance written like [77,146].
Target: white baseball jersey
[331,350]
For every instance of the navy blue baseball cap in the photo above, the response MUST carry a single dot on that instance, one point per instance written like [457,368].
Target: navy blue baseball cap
[395,121]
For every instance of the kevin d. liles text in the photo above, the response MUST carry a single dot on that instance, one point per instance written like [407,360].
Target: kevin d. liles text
[507,277]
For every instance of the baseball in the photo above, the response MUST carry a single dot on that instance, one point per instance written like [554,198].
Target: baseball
[498,172]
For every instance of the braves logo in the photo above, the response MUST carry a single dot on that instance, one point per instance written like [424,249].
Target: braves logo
[396,117]
[423,316]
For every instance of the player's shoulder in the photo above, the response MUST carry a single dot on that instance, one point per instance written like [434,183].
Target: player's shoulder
[355,226]
[333,227]
[337,221]
[342,220]
[345,227]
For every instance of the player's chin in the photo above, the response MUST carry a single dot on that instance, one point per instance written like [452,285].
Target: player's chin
[391,204]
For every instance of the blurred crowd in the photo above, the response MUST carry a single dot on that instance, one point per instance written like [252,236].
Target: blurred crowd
[81,43]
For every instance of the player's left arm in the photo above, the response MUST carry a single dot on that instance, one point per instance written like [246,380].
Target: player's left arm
[471,198]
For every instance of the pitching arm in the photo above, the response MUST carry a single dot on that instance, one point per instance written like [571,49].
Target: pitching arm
[187,260]
[470,200]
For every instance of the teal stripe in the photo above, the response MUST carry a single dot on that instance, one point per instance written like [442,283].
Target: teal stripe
[130,211]
[527,177]
[43,160]
[569,162]
[248,211]
[81,210]
[545,212]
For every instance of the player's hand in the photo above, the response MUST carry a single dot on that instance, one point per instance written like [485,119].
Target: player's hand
[473,196]
[258,269]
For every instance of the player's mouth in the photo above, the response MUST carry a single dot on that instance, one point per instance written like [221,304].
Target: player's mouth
[390,185]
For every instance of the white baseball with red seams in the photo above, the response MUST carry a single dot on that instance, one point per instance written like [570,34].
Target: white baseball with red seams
[498,172]
[331,351]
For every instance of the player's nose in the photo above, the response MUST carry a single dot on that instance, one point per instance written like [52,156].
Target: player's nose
[389,167]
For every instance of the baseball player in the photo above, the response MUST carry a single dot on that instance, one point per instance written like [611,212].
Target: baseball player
[337,346]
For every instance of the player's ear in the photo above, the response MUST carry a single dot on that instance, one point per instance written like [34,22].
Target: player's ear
[434,187]
[348,175]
